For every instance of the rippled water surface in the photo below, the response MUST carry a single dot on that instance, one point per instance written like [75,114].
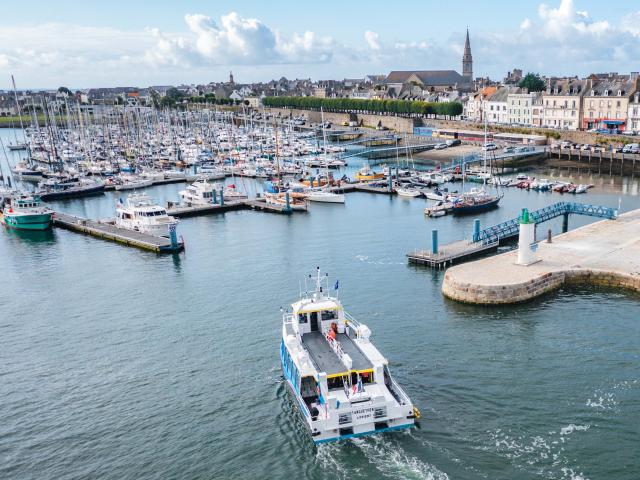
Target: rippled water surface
[120,364]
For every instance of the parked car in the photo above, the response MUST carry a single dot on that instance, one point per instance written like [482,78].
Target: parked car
[566,145]
[509,150]
[453,143]
[631,148]
[586,147]
[488,147]
[440,146]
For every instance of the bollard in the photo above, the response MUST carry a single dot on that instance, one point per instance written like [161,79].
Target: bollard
[286,197]
[390,186]
[221,197]
[434,241]
[215,197]
[549,236]
[476,230]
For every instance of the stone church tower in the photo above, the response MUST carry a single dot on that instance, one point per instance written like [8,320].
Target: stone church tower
[467,60]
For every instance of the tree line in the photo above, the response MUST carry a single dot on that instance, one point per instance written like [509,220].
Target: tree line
[360,105]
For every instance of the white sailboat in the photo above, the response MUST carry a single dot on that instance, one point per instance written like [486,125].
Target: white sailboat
[323,194]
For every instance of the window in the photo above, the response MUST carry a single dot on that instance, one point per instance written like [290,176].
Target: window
[329,315]
[618,104]
[302,318]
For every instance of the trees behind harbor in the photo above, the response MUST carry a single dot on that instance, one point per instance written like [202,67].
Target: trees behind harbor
[369,106]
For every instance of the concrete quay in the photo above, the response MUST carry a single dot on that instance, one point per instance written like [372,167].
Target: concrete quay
[605,253]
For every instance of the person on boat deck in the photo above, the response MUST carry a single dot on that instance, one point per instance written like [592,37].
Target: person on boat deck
[333,331]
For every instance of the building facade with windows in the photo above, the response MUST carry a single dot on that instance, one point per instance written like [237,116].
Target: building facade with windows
[633,113]
[606,102]
[562,103]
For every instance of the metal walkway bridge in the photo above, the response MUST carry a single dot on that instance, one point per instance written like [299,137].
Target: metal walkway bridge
[385,152]
[510,228]
[488,239]
[477,158]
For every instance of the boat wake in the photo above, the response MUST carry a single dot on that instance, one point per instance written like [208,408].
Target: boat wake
[368,260]
[543,453]
[607,400]
[391,460]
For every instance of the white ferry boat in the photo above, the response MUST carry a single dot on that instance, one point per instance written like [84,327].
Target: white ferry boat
[142,214]
[341,382]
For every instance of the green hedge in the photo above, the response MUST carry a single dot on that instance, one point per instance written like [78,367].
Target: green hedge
[374,106]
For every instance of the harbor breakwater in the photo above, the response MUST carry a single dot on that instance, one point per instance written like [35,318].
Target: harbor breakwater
[604,253]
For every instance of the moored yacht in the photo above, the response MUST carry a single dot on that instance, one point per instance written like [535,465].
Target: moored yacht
[142,214]
[340,380]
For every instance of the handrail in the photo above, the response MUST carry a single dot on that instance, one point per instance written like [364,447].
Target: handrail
[351,320]
[403,396]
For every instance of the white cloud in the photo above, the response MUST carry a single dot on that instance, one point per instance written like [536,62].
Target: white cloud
[237,41]
[559,39]
[372,40]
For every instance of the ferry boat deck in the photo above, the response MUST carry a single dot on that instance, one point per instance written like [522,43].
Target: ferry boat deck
[326,360]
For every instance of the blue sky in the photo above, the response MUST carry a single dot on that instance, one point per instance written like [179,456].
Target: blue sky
[47,44]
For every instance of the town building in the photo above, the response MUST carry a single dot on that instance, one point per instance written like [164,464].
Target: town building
[633,113]
[520,106]
[496,106]
[563,103]
[606,101]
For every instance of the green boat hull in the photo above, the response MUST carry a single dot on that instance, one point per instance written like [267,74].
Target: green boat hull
[28,222]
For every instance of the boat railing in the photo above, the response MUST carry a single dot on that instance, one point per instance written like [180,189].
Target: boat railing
[334,344]
[351,321]
[399,394]
[287,318]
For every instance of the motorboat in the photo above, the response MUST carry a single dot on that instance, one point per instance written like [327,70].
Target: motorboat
[141,214]
[26,212]
[342,384]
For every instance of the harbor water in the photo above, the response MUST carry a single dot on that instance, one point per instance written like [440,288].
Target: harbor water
[120,364]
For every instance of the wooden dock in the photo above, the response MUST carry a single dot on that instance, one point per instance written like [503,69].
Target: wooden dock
[263,206]
[365,187]
[112,233]
[451,253]
[182,211]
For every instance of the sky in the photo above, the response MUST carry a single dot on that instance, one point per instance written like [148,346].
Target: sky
[47,44]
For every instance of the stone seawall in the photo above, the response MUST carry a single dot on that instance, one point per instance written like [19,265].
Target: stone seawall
[604,253]
[398,124]
[522,292]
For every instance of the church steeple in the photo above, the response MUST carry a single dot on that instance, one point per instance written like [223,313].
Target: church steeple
[467,60]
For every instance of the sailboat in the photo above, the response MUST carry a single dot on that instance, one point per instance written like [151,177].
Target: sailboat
[476,200]
[323,194]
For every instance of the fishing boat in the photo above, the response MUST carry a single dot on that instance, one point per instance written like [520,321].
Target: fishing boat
[474,201]
[365,174]
[141,214]
[60,189]
[26,212]
[341,382]
[280,200]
